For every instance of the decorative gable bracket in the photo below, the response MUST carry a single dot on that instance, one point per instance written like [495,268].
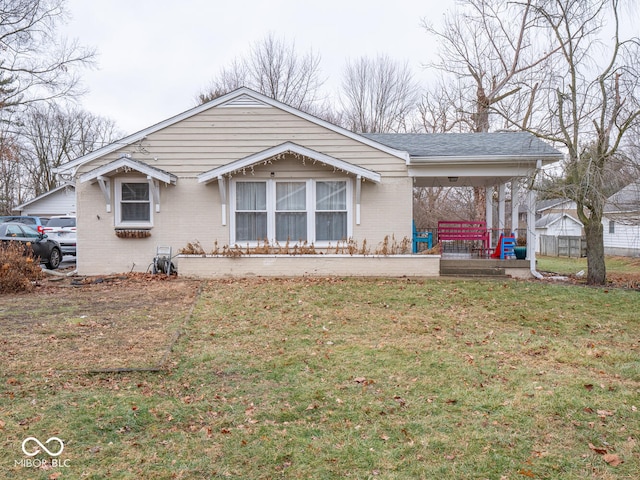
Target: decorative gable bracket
[154,189]
[105,186]
[154,176]
[277,152]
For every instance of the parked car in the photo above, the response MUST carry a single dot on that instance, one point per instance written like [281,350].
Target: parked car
[46,249]
[62,229]
[37,223]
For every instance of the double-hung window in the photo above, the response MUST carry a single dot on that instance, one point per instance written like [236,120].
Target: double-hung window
[133,203]
[251,211]
[331,211]
[291,211]
[314,211]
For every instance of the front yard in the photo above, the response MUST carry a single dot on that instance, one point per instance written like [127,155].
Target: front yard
[322,378]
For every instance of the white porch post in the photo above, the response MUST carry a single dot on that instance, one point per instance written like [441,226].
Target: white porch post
[502,193]
[488,200]
[358,190]
[515,203]
[531,229]
[222,188]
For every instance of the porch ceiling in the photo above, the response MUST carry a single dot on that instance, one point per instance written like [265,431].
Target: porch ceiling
[478,174]
[460,181]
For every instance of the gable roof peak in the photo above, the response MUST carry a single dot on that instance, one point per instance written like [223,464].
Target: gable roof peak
[241,97]
[287,148]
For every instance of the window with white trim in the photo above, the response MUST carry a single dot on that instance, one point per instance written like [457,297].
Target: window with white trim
[251,211]
[331,211]
[133,203]
[315,211]
[291,211]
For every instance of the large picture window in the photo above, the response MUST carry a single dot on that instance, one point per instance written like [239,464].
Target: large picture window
[290,211]
[133,203]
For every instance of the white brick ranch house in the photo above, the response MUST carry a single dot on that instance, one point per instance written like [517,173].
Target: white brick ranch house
[244,168]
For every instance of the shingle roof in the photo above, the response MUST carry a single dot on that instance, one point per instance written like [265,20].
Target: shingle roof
[466,144]
[551,218]
[625,200]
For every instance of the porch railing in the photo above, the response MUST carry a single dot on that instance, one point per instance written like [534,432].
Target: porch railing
[476,247]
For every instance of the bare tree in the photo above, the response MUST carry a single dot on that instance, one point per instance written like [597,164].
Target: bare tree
[487,50]
[440,109]
[274,68]
[53,135]
[36,64]
[588,102]
[230,78]
[10,173]
[488,47]
[377,95]
[431,204]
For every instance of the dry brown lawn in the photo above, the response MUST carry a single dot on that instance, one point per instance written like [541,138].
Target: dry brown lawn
[127,321]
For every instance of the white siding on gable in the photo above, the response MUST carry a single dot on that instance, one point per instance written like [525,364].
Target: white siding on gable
[565,227]
[61,202]
[220,135]
[625,240]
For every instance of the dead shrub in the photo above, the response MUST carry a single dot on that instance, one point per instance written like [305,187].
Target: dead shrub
[389,246]
[192,249]
[18,271]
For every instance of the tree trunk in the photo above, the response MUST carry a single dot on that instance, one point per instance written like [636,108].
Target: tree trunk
[597,273]
[479,200]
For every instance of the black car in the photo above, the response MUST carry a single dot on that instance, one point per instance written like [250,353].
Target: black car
[47,250]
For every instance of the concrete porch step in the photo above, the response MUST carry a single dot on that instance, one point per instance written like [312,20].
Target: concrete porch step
[473,272]
[471,267]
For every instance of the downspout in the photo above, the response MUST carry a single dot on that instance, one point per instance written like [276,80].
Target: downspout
[531,226]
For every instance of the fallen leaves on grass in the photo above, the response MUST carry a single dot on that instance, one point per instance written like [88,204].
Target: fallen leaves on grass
[598,450]
[612,459]
[527,473]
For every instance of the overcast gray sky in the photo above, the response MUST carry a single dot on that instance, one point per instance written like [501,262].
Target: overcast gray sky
[155,56]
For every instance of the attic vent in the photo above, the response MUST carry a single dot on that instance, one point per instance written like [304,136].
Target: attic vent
[244,100]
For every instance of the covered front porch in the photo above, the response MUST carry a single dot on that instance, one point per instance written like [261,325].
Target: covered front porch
[499,167]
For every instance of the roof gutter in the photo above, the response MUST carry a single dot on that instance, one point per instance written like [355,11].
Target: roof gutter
[473,159]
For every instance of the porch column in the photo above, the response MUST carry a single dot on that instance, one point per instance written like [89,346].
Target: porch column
[515,204]
[488,200]
[531,228]
[222,189]
[502,190]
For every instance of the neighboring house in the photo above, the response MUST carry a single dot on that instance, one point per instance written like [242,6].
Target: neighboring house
[557,225]
[549,206]
[244,168]
[557,205]
[621,222]
[59,201]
